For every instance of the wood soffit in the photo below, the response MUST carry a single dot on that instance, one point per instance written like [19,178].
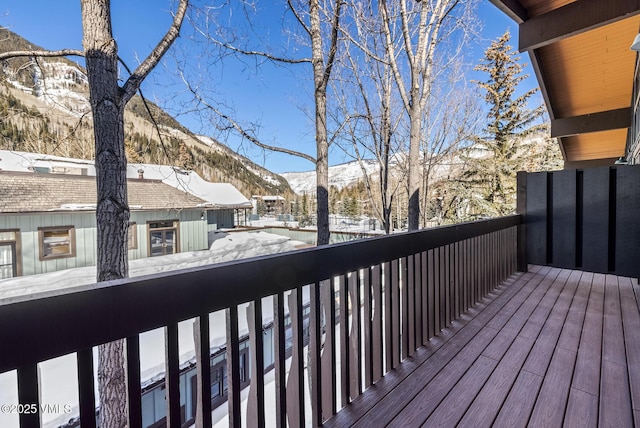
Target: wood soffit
[580,53]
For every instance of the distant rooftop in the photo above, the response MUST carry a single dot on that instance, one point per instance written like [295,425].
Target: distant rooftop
[216,195]
[28,192]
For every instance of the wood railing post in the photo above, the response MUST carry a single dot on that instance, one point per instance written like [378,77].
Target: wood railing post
[522,227]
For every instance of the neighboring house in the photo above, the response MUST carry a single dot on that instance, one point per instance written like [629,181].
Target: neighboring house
[47,212]
[47,221]
[272,204]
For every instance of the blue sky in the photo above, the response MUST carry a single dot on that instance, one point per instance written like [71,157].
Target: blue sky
[273,97]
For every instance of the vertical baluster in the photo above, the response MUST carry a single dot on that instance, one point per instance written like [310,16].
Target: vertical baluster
[255,400]
[233,366]
[279,347]
[134,391]
[424,309]
[28,394]
[458,278]
[464,253]
[355,348]
[442,292]
[417,299]
[404,311]
[447,285]
[295,382]
[409,299]
[315,336]
[388,316]
[203,371]
[431,293]
[86,388]
[368,315]
[344,341]
[395,312]
[455,280]
[172,375]
[376,323]
[328,358]
[475,272]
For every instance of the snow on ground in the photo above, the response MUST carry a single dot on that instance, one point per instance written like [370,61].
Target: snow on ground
[59,378]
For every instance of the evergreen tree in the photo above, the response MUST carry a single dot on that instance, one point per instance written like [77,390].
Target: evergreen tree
[488,184]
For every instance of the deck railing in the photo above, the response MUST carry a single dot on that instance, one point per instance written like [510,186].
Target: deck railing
[371,304]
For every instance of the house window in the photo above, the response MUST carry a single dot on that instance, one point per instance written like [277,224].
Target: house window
[132,236]
[57,242]
[9,252]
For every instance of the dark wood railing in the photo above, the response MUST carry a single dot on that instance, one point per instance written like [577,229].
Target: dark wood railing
[371,304]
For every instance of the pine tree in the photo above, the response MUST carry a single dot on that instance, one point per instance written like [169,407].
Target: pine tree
[498,153]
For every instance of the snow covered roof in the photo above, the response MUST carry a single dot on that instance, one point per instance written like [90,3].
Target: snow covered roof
[29,192]
[217,195]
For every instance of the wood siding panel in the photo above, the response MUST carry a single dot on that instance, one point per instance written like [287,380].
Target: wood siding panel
[595,219]
[627,224]
[537,218]
[564,219]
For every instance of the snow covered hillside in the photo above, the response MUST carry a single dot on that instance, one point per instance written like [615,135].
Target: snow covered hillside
[340,176]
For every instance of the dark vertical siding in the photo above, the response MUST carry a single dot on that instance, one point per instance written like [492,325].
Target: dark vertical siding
[595,219]
[627,217]
[537,218]
[564,219]
[585,219]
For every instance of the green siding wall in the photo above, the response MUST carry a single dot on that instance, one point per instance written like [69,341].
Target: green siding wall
[192,233]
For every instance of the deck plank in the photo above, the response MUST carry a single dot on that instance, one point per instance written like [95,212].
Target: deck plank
[550,406]
[582,410]
[542,351]
[548,348]
[586,375]
[519,403]
[615,396]
[453,407]
[378,404]
[631,323]
[485,407]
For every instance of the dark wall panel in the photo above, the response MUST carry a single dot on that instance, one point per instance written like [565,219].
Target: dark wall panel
[537,218]
[595,219]
[627,209]
[563,223]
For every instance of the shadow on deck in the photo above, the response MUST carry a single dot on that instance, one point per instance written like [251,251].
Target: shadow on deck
[548,348]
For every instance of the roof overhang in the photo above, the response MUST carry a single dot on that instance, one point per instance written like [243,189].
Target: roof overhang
[580,51]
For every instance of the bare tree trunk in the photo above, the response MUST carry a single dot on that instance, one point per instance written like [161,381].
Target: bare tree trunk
[322,144]
[108,101]
[321,74]
[112,212]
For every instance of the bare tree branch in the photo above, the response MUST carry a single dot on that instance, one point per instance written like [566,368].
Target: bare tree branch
[133,82]
[41,54]
[235,125]
[299,18]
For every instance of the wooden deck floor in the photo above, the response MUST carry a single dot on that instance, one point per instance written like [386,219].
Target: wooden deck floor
[550,348]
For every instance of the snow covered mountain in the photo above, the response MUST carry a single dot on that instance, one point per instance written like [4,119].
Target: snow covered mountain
[48,102]
[340,176]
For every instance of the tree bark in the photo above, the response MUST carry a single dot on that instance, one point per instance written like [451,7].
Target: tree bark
[112,211]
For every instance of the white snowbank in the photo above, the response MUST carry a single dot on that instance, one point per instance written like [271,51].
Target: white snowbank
[59,378]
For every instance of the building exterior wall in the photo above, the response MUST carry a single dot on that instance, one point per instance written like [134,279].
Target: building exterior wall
[219,219]
[633,139]
[192,234]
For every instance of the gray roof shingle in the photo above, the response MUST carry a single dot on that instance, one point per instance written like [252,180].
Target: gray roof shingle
[31,192]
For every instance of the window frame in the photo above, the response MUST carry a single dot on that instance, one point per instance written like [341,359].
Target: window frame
[71,232]
[132,236]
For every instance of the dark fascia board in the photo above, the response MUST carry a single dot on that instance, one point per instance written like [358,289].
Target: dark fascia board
[572,19]
[513,9]
[595,122]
